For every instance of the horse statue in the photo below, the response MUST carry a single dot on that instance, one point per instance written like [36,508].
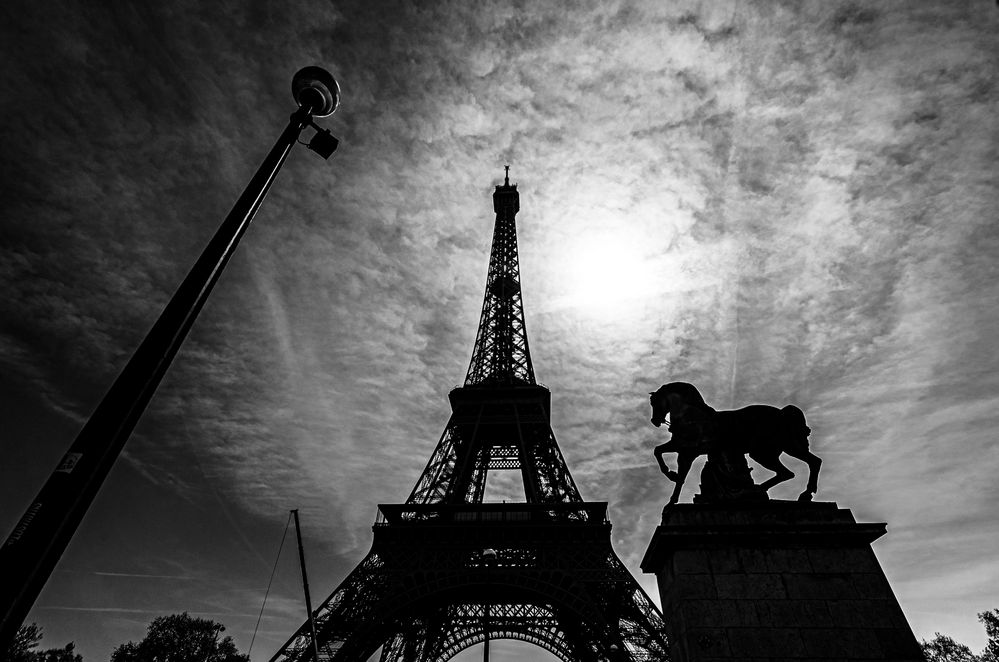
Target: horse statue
[761,431]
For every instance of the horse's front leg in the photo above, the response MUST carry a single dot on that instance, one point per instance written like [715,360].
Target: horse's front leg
[814,464]
[683,462]
[663,467]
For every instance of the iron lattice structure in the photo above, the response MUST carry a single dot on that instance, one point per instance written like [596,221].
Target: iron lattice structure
[501,354]
[446,570]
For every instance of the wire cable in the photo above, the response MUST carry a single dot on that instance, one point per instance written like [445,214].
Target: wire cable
[269,582]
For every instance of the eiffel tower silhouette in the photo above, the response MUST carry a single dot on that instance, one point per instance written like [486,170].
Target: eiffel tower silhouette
[447,571]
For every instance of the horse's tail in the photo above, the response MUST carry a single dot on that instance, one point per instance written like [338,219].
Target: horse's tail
[794,422]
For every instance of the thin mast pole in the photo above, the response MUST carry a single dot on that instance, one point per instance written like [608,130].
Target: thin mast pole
[305,585]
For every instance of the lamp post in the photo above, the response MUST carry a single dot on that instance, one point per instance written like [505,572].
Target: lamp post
[30,553]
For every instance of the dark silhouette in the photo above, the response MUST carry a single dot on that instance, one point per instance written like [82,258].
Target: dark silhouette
[761,431]
[447,570]
[22,648]
[944,649]
[65,654]
[181,637]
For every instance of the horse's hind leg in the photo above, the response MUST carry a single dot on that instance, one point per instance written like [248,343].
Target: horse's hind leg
[814,464]
[772,462]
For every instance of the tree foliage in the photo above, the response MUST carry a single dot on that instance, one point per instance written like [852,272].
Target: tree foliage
[27,639]
[181,638]
[20,649]
[990,619]
[66,654]
[944,649]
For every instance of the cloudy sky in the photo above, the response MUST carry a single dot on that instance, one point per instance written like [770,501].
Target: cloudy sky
[779,202]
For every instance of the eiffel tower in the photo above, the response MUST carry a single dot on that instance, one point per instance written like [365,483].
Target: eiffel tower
[447,570]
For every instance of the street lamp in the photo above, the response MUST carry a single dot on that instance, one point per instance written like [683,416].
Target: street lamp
[30,553]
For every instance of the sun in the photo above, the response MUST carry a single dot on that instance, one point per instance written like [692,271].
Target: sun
[606,273]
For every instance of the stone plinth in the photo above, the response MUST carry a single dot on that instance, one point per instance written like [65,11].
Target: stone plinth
[775,581]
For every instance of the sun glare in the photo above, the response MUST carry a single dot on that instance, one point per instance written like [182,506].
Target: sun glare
[606,273]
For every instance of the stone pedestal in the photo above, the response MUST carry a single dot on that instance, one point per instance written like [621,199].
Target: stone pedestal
[775,581]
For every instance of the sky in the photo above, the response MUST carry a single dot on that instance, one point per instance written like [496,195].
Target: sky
[779,202]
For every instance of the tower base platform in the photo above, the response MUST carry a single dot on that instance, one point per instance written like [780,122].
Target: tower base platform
[778,580]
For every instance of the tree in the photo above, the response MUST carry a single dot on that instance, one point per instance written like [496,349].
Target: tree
[28,638]
[944,649]
[66,654]
[181,638]
[990,619]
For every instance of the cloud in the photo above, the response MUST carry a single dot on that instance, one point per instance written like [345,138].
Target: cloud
[807,194]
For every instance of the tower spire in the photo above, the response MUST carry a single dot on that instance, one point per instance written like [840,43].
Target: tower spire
[501,354]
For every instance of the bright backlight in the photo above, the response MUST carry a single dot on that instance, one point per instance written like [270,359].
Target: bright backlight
[605,273]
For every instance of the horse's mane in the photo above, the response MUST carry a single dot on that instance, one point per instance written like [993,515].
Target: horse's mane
[686,391]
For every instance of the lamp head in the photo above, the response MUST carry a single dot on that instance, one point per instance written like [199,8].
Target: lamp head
[323,143]
[316,88]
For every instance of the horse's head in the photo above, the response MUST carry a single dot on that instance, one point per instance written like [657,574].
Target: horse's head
[674,397]
[660,406]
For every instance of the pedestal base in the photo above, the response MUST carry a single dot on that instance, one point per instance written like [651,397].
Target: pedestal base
[775,581]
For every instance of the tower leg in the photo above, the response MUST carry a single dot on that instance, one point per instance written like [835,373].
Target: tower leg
[426,591]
